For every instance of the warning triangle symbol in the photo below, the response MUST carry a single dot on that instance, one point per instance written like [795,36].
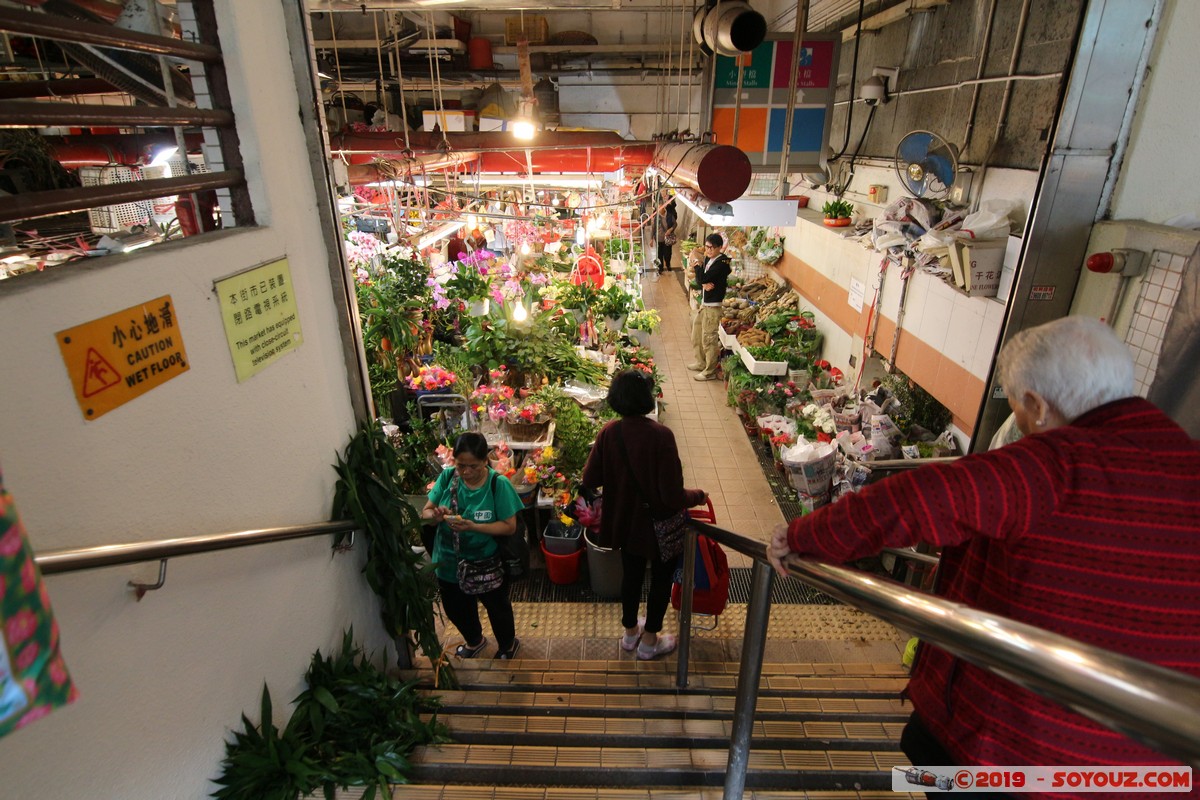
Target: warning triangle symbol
[98,374]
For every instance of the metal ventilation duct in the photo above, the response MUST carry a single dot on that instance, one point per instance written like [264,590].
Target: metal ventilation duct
[729,28]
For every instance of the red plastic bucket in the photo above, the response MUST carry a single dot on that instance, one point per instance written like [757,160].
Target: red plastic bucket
[562,570]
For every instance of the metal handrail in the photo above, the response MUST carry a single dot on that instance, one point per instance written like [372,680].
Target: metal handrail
[1153,705]
[80,558]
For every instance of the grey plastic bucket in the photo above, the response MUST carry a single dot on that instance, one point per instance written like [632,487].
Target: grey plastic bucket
[604,569]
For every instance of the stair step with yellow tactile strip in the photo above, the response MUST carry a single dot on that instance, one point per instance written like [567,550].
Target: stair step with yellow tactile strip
[579,729]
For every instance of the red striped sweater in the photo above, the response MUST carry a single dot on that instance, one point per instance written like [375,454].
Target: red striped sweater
[1091,530]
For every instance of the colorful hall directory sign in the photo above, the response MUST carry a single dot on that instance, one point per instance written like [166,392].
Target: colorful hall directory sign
[258,310]
[763,113]
[114,359]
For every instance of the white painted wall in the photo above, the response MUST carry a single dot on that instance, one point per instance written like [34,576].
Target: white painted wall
[162,681]
[1160,178]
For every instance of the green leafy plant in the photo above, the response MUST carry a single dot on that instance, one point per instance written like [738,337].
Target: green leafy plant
[574,432]
[836,209]
[353,726]
[543,346]
[363,722]
[613,301]
[647,320]
[266,763]
[922,408]
[369,491]
[578,296]
[768,352]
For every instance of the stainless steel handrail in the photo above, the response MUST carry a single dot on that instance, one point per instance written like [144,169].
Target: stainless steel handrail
[1153,705]
[80,558]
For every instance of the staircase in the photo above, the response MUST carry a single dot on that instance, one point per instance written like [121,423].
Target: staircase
[568,730]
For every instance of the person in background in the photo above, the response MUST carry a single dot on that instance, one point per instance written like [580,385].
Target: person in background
[667,222]
[477,240]
[456,247]
[713,277]
[636,462]
[472,506]
[1087,526]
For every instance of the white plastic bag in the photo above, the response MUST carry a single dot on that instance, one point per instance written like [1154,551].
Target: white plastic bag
[989,222]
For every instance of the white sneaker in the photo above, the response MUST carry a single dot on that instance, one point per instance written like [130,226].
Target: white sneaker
[664,645]
[630,643]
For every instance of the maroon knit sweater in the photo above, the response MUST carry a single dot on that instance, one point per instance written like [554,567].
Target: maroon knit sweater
[1091,531]
[652,473]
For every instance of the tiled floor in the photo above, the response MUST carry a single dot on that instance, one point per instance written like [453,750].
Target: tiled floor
[716,454]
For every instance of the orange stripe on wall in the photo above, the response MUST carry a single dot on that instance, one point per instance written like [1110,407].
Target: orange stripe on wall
[955,387]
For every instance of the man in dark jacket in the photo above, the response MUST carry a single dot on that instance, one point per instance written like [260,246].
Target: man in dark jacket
[713,277]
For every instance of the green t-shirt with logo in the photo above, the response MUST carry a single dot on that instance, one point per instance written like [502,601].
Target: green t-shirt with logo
[482,505]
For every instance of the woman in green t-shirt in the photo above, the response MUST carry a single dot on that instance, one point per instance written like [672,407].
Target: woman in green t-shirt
[473,505]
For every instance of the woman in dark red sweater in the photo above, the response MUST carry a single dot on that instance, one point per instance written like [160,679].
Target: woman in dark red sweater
[637,463]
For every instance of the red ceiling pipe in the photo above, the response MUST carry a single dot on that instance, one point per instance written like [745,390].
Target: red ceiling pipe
[360,174]
[720,172]
[552,151]
[98,151]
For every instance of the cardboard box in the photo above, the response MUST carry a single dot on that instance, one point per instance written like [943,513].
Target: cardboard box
[977,266]
[449,119]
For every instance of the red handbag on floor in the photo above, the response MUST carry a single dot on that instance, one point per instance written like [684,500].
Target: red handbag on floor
[711,592]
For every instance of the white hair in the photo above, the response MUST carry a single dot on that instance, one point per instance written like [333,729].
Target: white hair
[1075,363]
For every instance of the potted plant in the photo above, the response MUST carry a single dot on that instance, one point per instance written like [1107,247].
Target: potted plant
[837,213]
[613,304]
[641,324]
[470,281]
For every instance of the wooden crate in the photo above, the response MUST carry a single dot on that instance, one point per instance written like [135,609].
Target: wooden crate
[536,30]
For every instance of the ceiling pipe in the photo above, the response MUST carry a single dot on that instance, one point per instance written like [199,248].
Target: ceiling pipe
[728,28]
[102,150]
[551,151]
[720,172]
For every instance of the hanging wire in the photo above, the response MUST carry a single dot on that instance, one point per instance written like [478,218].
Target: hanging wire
[379,59]
[691,66]
[337,64]
[439,104]
[681,125]
[659,95]
[400,88]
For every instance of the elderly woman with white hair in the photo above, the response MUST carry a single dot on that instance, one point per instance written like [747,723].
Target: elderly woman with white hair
[1088,526]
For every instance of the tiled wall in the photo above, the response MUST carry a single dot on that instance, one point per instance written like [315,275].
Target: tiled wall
[947,340]
[1156,300]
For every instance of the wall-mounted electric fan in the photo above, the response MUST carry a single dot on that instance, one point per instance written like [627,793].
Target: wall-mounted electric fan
[926,164]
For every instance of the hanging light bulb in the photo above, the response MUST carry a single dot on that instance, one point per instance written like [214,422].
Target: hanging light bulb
[524,248]
[519,313]
[554,201]
[580,236]
[472,221]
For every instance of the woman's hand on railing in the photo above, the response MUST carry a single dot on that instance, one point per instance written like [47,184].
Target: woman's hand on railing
[778,549]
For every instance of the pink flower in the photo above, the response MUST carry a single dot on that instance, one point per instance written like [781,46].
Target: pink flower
[20,627]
